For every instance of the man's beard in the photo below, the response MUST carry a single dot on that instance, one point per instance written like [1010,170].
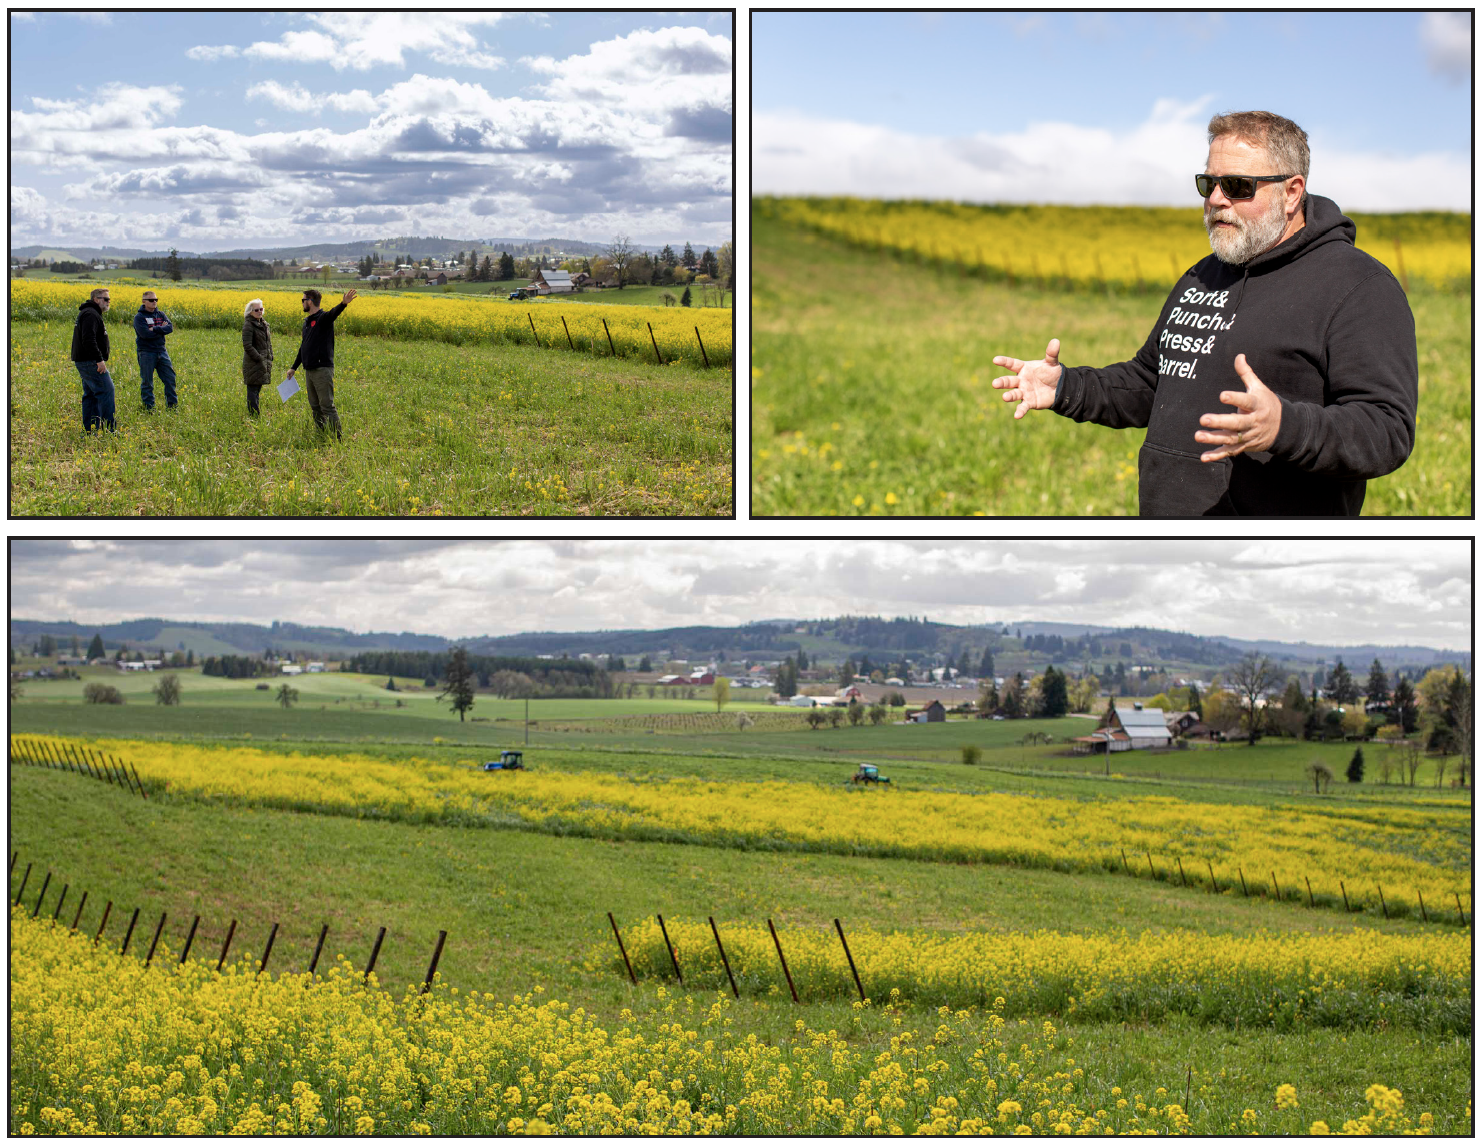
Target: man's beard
[1248,238]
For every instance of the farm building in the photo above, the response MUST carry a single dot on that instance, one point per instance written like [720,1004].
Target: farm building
[671,678]
[930,713]
[701,676]
[1124,728]
[552,282]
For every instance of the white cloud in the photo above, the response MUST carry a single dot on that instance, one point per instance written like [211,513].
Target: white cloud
[205,53]
[291,98]
[111,106]
[362,40]
[798,154]
[1448,40]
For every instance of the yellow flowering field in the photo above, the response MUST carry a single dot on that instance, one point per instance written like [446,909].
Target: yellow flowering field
[451,318]
[100,1044]
[1084,247]
[1261,979]
[1179,841]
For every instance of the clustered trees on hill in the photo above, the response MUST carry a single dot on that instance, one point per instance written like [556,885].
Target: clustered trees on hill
[505,676]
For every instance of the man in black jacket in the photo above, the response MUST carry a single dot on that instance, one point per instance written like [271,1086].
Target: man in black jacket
[90,356]
[317,353]
[1321,342]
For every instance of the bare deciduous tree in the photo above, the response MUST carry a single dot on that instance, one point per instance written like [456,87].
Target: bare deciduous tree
[621,253]
[1251,681]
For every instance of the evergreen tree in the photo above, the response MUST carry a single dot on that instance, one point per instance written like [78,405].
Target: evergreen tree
[190,658]
[1356,771]
[486,270]
[95,650]
[507,266]
[1404,702]
[645,665]
[1053,692]
[787,682]
[1341,687]
[1195,701]
[685,298]
[708,263]
[172,265]
[391,685]
[802,659]
[986,664]
[1377,686]
[688,256]
[1013,704]
[616,664]
[847,673]
[459,691]
[989,697]
[963,663]
[667,256]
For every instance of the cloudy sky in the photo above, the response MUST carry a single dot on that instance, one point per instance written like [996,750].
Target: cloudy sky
[1331,592]
[217,131]
[1106,107]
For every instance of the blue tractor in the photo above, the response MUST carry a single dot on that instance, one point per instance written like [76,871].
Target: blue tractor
[509,761]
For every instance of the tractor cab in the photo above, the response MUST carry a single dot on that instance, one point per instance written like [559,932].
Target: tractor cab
[509,761]
[868,774]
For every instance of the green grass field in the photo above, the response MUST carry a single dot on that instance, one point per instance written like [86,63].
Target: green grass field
[430,429]
[527,909]
[871,392]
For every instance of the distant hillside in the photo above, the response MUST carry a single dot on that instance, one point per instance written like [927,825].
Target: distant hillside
[1017,645]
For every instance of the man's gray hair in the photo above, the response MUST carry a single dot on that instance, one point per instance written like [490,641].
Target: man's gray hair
[1284,140]
[247,310]
[98,292]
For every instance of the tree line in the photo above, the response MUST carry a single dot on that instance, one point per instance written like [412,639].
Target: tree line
[506,676]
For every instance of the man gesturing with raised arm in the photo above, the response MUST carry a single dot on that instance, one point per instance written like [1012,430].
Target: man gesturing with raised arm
[1282,373]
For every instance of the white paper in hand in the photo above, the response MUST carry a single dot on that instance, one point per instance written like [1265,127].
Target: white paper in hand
[288,388]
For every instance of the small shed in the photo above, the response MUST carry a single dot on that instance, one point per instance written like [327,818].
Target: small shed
[930,713]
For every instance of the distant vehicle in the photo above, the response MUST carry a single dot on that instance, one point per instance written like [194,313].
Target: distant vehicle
[518,295]
[509,761]
[868,774]
[997,718]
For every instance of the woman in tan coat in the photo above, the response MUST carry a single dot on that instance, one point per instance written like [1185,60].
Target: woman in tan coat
[257,353]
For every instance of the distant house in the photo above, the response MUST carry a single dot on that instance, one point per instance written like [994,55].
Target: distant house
[552,282]
[440,279]
[849,693]
[315,666]
[801,701]
[291,670]
[701,676]
[671,678]
[931,713]
[1188,725]
[581,279]
[1122,729]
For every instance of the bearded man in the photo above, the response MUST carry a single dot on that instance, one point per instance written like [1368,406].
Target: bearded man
[1309,339]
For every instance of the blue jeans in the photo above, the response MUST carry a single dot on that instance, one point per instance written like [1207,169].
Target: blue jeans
[149,362]
[97,396]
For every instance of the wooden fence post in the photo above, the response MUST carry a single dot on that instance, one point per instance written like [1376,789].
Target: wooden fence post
[1277,894]
[190,937]
[609,333]
[155,942]
[26,875]
[1150,858]
[569,333]
[1181,866]
[1243,878]
[670,948]
[1459,902]
[784,961]
[433,964]
[375,951]
[851,960]
[58,912]
[318,947]
[656,346]
[42,896]
[1124,854]
[231,930]
[1382,894]
[143,794]
[268,950]
[627,965]
[107,907]
[534,335]
[1310,886]
[1212,870]
[129,934]
[704,358]
[1419,903]
[1344,895]
[78,917]
[723,952]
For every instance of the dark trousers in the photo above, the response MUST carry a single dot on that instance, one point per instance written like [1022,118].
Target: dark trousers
[319,384]
[97,396]
[151,361]
[252,399]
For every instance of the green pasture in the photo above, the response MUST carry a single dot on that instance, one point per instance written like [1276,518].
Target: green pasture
[430,429]
[524,910]
[871,392]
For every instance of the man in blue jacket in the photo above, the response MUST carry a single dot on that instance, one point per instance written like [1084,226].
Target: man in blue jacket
[150,328]
[1282,373]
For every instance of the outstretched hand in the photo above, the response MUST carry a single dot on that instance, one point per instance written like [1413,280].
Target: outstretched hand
[1033,384]
[1252,430]
[350,294]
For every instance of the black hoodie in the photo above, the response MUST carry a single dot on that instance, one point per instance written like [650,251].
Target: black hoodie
[1327,329]
[89,336]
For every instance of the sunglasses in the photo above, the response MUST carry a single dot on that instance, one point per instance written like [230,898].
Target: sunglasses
[1234,187]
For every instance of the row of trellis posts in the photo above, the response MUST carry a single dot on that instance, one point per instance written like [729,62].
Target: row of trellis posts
[658,360]
[66,758]
[191,934]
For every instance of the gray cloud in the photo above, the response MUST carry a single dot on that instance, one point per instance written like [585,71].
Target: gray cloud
[713,124]
[1335,592]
